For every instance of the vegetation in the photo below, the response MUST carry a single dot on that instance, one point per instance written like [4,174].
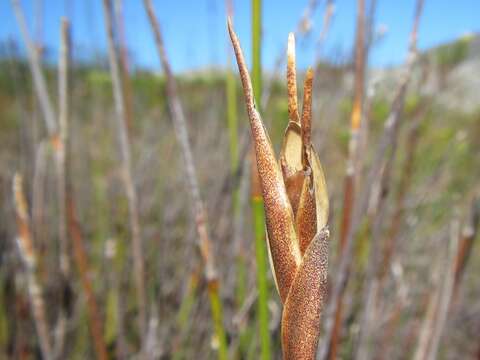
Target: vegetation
[207,291]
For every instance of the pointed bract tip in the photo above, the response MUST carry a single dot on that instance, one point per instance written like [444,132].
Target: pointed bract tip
[309,73]
[291,46]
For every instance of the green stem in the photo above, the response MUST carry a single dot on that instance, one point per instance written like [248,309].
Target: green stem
[217,313]
[262,283]
[257,202]
[256,49]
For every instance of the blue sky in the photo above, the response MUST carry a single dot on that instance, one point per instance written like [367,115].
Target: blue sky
[195,31]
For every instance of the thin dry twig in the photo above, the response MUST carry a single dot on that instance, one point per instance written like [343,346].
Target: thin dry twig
[27,252]
[137,248]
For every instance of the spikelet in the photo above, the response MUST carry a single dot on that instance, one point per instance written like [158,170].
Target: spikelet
[296,211]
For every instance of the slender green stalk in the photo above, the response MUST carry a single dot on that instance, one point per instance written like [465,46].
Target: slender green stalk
[256,49]
[261,258]
[232,123]
[184,316]
[217,315]
[257,202]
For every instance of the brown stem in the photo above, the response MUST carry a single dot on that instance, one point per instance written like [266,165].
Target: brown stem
[350,180]
[81,260]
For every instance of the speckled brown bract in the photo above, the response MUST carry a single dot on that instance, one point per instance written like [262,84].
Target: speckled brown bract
[296,211]
[302,310]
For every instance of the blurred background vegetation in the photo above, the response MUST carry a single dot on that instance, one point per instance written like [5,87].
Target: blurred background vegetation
[439,137]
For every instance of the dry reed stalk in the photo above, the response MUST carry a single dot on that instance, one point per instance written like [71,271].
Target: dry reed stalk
[58,135]
[373,280]
[126,83]
[399,209]
[396,222]
[181,132]
[127,177]
[296,212]
[390,131]
[439,301]
[446,294]
[38,194]
[81,260]
[48,114]
[352,160]
[35,68]
[60,146]
[27,252]
[355,122]
[372,283]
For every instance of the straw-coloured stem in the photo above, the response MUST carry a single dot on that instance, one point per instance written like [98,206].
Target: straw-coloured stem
[137,248]
[181,132]
[60,146]
[35,68]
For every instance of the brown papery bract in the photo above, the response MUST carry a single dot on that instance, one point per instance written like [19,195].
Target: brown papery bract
[278,211]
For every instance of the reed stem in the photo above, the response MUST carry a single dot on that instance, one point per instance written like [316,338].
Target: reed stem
[257,201]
